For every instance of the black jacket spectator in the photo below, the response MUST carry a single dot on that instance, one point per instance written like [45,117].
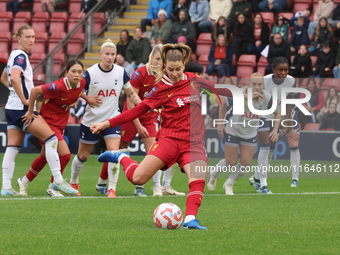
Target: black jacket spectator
[241,6]
[243,38]
[324,36]
[278,50]
[299,62]
[122,47]
[218,29]
[299,37]
[331,120]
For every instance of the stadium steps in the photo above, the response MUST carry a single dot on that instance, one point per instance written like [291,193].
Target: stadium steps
[130,21]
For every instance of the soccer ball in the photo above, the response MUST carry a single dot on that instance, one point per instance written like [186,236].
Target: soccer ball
[168,216]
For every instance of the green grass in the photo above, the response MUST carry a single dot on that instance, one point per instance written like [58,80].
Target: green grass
[242,224]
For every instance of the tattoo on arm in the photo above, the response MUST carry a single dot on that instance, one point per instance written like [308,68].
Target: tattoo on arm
[133,98]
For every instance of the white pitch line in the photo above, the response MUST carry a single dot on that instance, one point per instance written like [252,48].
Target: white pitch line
[206,195]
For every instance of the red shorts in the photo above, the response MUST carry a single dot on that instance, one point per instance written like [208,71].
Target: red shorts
[129,130]
[58,133]
[172,150]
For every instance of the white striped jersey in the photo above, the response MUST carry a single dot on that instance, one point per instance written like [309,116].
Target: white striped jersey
[19,59]
[107,85]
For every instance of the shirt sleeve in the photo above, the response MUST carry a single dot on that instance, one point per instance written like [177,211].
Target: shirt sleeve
[87,78]
[136,79]
[126,77]
[155,98]
[20,62]
[50,90]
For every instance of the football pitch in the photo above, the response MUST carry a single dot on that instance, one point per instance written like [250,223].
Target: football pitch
[303,220]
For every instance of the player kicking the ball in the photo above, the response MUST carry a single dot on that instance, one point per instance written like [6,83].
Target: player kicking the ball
[242,137]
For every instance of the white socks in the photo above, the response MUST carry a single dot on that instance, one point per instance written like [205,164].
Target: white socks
[263,165]
[240,171]
[8,166]
[157,178]
[76,167]
[295,162]
[189,218]
[167,176]
[52,158]
[220,165]
[113,173]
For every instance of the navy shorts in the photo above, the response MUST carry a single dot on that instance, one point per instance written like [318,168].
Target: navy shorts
[268,124]
[14,119]
[87,137]
[234,141]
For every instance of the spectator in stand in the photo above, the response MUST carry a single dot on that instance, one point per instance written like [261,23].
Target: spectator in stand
[49,5]
[332,97]
[14,5]
[299,35]
[120,60]
[336,12]
[138,51]
[277,48]
[162,27]
[325,61]
[199,11]
[217,8]
[302,64]
[275,6]
[182,30]
[261,35]
[243,41]
[305,14]
[154,7]
[220,27]
[220,58]
[331,119]
[239,6]
[336,69]
[124,42]
[323,33]
[177,6]
[313,105]
[281,26]
[324,10]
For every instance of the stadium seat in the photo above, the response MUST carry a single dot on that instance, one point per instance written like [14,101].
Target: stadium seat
[328,129]
[15,44]
[324,92]
[315,6]
[234,79]
[261,65]
[4,57]
[313,59]
[5,21]
[287,15]
[303,83]
[40,43]
[242,82]
[57,22]
[204,38]
[312,126]
[268,17]
[336,2]
[75,44]
[59,62]
[73,21]
[21,18]
[328,83]
[74,6]
[54,40]
[203,49]
[245,65]
[72,120]
[35,59]
[39,21]
[193,57]
[36,6]
[5,39]
[39,79]
[2,6]
[99,21]
[233,61]
[203,59]
[300,7]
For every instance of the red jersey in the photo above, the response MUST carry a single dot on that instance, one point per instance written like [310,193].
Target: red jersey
[58,95]
[181,116]
[144,81]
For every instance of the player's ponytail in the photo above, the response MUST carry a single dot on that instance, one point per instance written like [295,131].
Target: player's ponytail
[21,29]
[173,53]
[107,43]
[155,49]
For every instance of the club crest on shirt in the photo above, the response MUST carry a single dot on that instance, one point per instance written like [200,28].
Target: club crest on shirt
[135,75]
[20,60]
[51,87]
[151,92]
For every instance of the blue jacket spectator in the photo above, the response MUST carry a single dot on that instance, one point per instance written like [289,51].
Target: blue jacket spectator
[199,11]
[299,35]
[153,9]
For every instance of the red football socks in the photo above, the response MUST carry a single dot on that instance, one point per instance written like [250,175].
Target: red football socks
[37,165]
[129,167]
[195,196]
[104,175]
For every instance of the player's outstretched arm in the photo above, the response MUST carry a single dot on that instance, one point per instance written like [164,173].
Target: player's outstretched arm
[30,114]
[98,127]
[4,79]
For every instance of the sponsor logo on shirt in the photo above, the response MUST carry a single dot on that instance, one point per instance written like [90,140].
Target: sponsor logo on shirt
[51,87]
[170,94]
[146,85]
[179,102]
